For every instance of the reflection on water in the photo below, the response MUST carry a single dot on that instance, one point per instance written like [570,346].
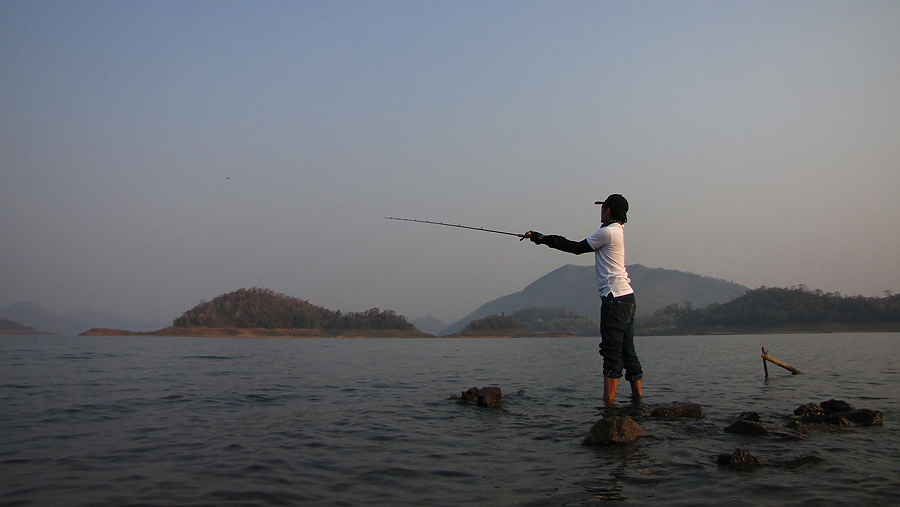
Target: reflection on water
[230,421]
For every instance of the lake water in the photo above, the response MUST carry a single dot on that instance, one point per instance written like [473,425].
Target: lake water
[345,422]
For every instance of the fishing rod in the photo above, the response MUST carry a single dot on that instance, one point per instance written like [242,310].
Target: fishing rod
[520,236]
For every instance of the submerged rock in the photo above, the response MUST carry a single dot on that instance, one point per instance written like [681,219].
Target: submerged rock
[748,416]
[742,459]
[833,406]
[860,417]
[676,410]
[809,411]
[749,423]
[739,459]
[801,461]
[836,413]
[613,430]
[489,397]
[814,427]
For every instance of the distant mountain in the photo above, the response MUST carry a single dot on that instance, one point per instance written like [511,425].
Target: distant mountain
[12,327]
[429,324]
[72,322]
[575,287]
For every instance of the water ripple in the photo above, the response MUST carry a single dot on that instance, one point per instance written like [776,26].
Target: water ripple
[343,422]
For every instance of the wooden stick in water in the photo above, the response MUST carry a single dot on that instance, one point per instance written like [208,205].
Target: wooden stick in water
[767,357]
[765,366]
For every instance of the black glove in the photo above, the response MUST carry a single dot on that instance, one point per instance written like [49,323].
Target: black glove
[535,237]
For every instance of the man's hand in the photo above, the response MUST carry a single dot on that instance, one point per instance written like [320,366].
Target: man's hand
[535,237]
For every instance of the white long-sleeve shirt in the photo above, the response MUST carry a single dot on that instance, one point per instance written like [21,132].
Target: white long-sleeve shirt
[609,260]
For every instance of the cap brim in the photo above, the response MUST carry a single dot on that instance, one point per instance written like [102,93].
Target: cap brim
[599,202]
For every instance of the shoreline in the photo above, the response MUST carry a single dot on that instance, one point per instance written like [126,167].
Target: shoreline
[232,332]
[235,332]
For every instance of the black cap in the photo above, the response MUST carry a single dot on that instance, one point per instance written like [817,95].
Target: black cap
[615,201]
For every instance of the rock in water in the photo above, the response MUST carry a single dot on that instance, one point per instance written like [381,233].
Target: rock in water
[749,423]
[860,417]
[489,397]
[835,413]
[833,406]
[739,459]
[748,416]
[485,397]
[815,427]
[809,411]
[613,430]
[676,410]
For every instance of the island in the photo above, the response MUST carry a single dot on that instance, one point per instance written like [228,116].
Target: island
[259,312]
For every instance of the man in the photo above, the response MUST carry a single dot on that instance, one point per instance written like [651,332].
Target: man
[617,298]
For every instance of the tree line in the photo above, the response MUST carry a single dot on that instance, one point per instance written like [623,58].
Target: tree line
[795,309]
[538,320]
[773,309]
[264,308]
[557,320]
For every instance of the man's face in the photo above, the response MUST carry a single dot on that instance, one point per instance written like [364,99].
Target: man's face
[605,213]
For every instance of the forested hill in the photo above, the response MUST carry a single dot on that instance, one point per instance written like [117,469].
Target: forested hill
[778,310]
[266,309]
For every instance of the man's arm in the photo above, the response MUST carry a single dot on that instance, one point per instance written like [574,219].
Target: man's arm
[560,243]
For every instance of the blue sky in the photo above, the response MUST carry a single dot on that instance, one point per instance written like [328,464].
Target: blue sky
[154,154]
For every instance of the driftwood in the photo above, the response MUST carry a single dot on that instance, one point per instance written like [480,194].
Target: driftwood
[767,357]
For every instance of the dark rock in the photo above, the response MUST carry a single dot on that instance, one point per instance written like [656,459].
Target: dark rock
[861,417]
[814,427]
[748,416]
[485,397]
[489,397]
[762,429]
[742,459]
[745,427]
[739,459]
[838,420]
[833,406]
[809,411]
[799,462]
[613,430]
[676,410]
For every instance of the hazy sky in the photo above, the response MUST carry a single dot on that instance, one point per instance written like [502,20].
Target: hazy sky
[155,154]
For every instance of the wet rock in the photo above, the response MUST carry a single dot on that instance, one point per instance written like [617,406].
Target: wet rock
[489,397]
[742,459]
[745,427]
[801,461]
[485,397]
[860,417]
[677,410]
[809,411]
[748,423]
[748,416]
[835,413]
[613,430]
[814,427]
[739,459]
[833,406]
